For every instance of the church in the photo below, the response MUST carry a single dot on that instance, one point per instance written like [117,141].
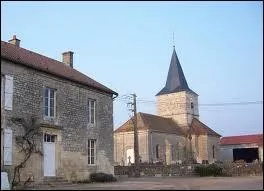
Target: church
[175,135]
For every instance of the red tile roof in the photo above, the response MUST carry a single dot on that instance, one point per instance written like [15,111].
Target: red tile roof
[42,63]
[167,125]
[242,139]
[151,122]
[199,128]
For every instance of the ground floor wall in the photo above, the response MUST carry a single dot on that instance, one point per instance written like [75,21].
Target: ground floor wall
[260,150]
[153,147]
[68,165]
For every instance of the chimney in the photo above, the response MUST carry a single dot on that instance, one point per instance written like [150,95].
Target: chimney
[67,58]
[14,41]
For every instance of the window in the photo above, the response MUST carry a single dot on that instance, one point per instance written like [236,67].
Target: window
[49,138]
[157,151]
[91,111]
[172,149]
[213,151]
[191,103]
[91,151]
[49,102]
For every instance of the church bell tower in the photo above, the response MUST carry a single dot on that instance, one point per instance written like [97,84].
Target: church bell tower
[176,100]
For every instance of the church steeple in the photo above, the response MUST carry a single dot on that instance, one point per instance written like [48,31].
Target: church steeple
[176,81]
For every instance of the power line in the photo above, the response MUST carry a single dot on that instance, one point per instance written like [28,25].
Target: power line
[201,104]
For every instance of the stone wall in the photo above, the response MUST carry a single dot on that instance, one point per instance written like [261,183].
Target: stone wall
[71,117]
[124,141]
[260,150]
[213,141]
[229,169]
[156,170]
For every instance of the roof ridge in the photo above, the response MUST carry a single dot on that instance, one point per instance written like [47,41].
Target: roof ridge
[155,115]
[32,52]
[204,126]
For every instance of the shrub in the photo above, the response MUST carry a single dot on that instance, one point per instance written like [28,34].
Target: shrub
[208,170]
[102,177]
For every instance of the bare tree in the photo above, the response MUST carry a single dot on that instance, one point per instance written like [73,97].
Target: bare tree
[27,144]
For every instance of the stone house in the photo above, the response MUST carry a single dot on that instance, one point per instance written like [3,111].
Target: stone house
[74,111]
[243,147]
[176,134]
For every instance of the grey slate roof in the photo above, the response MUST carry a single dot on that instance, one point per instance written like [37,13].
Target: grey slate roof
[176,81]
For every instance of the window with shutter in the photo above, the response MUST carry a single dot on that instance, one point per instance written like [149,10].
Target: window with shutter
[7,147]
[8,99]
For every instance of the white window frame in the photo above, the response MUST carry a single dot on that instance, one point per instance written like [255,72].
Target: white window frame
[91,111]
[49,103]
[89,154]
[48,138]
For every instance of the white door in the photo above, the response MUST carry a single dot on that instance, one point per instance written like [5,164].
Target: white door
[49,155]
[130,156]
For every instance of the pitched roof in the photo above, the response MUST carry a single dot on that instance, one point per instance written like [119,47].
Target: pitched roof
[176,81]
[42,63]
[198,128]
[151,122]
[242,139]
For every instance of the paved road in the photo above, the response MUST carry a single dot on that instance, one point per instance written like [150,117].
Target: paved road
[169,183]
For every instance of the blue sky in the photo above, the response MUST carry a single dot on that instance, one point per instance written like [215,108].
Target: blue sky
[127,46]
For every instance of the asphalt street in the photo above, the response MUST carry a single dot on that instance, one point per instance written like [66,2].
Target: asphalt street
[166,183]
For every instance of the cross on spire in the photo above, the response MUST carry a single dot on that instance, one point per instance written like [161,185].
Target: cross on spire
[176,81]
[173,40]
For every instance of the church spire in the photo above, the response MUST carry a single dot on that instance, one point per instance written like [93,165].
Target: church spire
[176,81]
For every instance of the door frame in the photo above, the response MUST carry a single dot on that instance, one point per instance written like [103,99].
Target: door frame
[49,139]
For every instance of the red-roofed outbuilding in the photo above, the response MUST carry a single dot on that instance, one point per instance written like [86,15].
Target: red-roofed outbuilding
[243,147]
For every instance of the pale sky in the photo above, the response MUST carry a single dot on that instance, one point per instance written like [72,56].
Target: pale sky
[127,46]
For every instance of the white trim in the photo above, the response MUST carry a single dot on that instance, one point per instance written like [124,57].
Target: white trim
[90,111]
[48,116]
[89,150]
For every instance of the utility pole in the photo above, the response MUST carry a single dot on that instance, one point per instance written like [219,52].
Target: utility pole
[136,151]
